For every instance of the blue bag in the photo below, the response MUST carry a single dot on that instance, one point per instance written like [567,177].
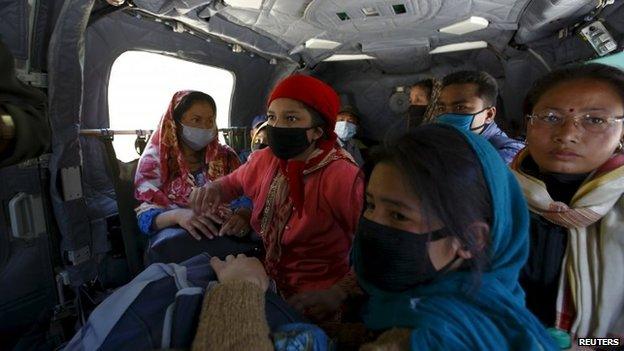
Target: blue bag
[160,309]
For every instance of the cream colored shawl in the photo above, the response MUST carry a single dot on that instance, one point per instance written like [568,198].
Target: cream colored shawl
[590,300]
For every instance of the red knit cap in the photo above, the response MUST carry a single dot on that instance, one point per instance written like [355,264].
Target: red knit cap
[312,92]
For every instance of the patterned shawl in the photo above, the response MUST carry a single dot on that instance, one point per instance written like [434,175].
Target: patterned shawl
[590,300]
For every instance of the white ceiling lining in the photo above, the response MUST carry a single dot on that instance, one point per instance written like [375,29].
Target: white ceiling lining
[295,21]
[290,23]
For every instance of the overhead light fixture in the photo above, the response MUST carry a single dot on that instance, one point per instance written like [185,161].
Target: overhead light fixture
[237,48]
[370,11]
[116,2]
[472,24]
[348,57]
[468,45]
[322,44]
[248,4]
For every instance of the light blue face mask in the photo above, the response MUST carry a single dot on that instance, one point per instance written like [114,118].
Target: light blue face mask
[197,138]
[461,121]
[345,130]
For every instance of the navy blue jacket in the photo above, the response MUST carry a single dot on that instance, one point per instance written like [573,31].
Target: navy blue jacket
[507,147]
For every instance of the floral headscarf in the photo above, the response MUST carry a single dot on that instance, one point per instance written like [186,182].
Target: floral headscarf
[163,179]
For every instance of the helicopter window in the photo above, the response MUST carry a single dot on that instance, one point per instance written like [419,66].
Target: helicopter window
[142,83]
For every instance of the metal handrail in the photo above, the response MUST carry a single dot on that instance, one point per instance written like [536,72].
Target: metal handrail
[112,132]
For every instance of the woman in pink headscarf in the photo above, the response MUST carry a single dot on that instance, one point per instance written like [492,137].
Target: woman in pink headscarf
[182,154]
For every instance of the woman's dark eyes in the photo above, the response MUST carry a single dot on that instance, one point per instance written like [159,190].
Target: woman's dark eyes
[552,118]
[596,120]
[397,216]
[288,118]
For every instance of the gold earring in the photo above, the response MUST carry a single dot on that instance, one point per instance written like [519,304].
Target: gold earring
[619,147]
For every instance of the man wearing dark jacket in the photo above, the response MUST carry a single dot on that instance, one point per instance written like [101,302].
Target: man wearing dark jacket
[24,127]
[468,101]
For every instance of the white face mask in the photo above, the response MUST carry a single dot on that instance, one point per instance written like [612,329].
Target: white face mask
[345,130]
[197,138]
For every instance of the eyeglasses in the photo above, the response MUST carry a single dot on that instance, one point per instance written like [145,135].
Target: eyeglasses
[590,123]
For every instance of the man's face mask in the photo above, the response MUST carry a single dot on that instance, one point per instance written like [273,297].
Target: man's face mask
[462,121]
[287,143]
[197,138]
[345,130]
[416,112]
[394,260]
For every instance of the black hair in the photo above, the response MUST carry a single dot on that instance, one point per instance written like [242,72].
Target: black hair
[426,84]
[317,120]
[188,101]
[486,84]
[351,111]
[608,74]
[448,180]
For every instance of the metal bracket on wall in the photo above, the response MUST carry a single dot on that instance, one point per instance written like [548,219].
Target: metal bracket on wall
[79,256]
[71,180]
[35,79]
[27,216]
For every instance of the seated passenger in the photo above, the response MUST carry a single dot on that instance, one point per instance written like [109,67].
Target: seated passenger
[419,98]
[307,194]
[468,101]
[347,124]
[183,153]
[572,174]
[255,126]
[438,258]
[260,139]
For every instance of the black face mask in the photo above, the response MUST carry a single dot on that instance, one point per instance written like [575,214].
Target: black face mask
[286,143]
[417,111]
[394,260]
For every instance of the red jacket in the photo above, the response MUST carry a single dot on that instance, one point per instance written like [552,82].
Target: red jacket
[315,247]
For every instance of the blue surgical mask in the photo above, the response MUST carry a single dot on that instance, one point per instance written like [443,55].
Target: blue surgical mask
[345,130]
[197,138]
[461,121]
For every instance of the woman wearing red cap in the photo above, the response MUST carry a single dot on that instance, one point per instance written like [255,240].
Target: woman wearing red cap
[307,194]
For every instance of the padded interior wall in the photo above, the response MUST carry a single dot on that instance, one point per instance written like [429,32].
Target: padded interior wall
[14,29]
[522,68]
